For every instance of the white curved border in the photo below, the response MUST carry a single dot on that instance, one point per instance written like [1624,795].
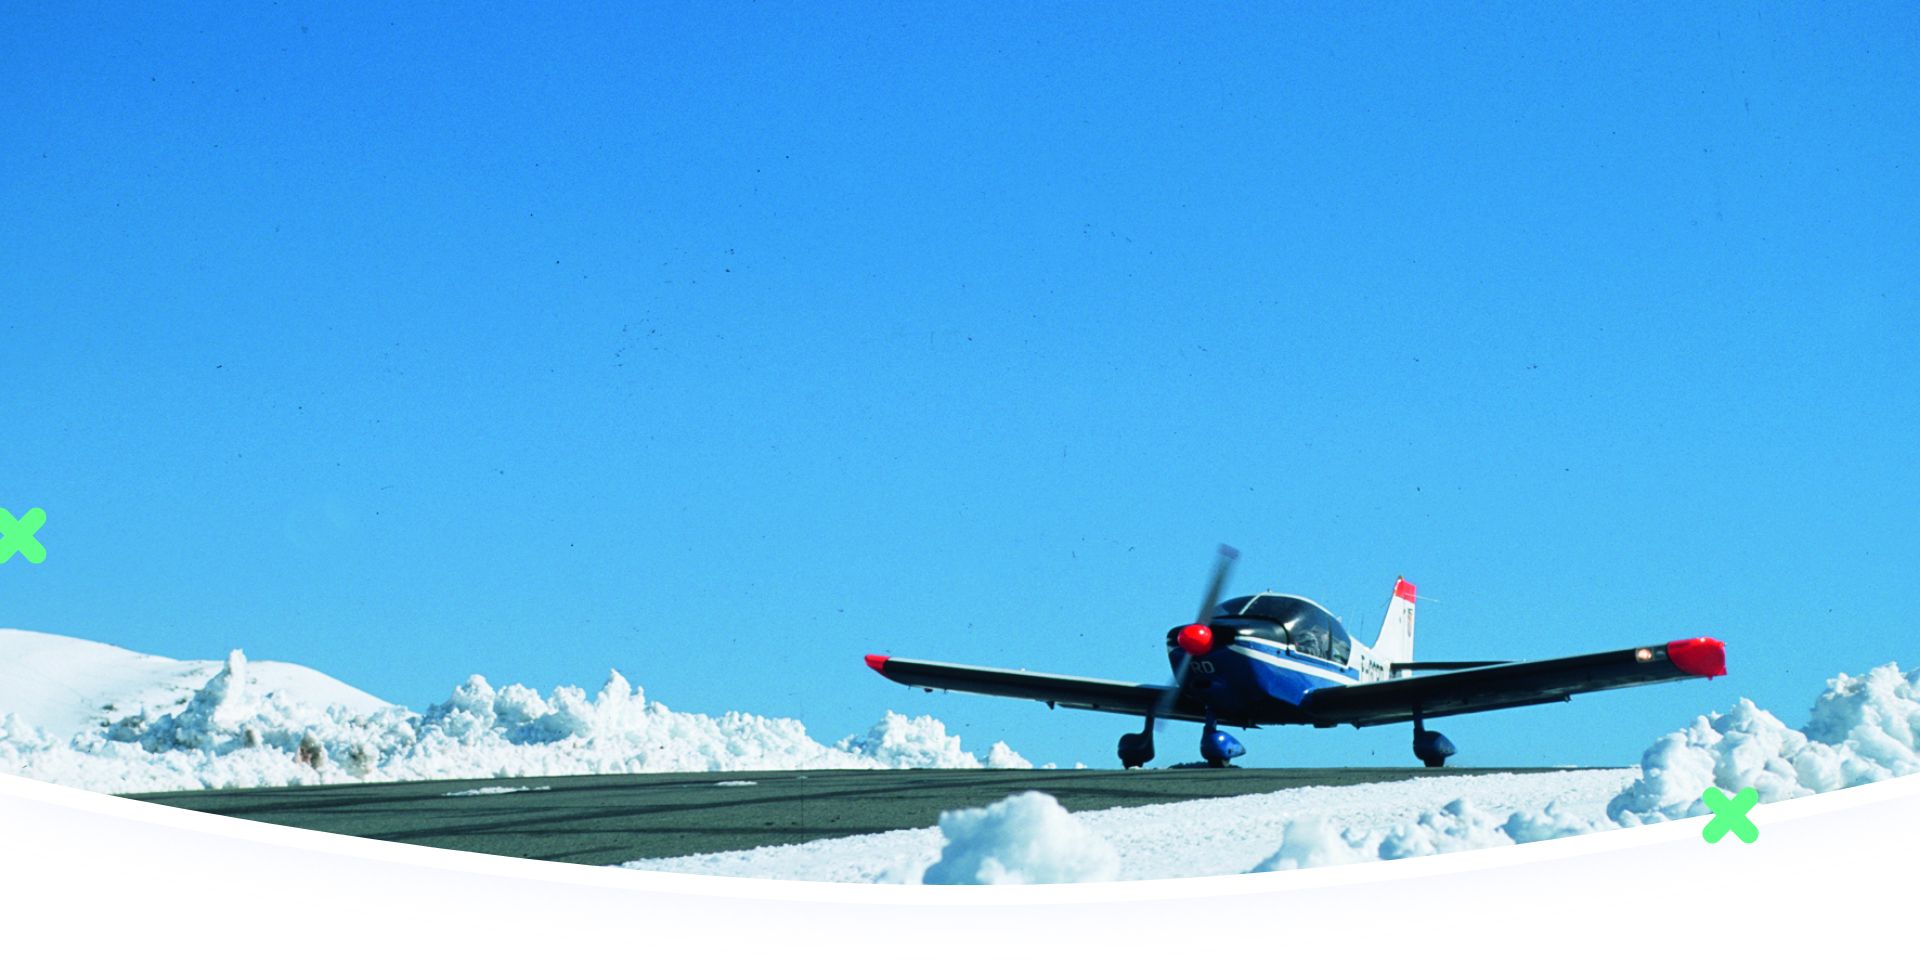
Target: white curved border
[82,873]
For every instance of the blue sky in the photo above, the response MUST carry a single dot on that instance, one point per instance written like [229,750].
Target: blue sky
[725,344]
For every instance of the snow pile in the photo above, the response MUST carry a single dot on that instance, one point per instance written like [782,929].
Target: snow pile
[231,711]
[18,738]
[231,732]
[1556,821]
[1023,839]
[1002,755]
[897,741]
[1863,729]
[67,686]
[1456,826]
[496,790]
[1313,841]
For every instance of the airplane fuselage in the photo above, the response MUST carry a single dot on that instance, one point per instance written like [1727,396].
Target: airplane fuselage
[1260,670]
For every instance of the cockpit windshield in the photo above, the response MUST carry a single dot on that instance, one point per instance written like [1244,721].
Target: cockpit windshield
[1308,626]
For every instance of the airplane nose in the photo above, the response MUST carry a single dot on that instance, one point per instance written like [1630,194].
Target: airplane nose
[1196,639]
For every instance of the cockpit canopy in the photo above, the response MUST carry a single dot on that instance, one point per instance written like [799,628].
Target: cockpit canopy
[1306,625]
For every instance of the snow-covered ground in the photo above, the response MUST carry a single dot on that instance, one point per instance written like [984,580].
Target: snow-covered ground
[104,718]
[1032,839]
[100,717]
[1863,729]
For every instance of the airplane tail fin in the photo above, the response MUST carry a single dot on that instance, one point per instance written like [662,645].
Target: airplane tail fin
[1395,645]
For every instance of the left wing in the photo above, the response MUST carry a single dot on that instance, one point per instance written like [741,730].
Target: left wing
[1512,685]
[1090,694]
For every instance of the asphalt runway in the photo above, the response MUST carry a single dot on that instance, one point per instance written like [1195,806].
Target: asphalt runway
[607,819]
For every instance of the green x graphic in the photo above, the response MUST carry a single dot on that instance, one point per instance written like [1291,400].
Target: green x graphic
[1730,815]
[16,536]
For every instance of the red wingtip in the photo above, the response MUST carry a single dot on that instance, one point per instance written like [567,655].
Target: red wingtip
[1701,656]
[877,661]
[1403,590]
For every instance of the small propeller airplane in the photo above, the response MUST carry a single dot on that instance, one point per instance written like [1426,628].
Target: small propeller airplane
[1281,659]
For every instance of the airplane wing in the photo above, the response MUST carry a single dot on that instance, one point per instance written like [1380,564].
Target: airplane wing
[1089,694]
[1512,685]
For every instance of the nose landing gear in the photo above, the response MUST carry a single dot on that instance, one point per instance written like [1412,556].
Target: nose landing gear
[1218,747]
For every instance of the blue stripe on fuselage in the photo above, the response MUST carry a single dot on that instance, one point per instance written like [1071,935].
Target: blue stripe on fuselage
[1261,682]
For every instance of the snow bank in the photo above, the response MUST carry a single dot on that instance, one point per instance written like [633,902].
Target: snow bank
[1863,729]
[1456,826]
[897,741]
[233,733]
[67,686]
[1306,843]
[1023,839]
[1218,836]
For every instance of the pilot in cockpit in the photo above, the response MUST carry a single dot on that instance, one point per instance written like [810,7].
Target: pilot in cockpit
[1309,637]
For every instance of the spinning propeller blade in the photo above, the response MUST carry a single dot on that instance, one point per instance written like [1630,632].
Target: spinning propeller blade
[1197,637]
[1221,566]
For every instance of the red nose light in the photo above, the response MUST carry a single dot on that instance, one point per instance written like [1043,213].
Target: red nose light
[1196,639]
[1703,656]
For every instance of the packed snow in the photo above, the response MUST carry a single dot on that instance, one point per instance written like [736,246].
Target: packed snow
[496,790]
[1862,729]
[1030,838]
[99,717]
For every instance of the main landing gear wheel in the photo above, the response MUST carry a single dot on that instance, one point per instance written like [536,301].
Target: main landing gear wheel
[1137,749]
[1431,747]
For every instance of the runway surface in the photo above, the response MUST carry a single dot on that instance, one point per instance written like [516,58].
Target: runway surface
[607,819]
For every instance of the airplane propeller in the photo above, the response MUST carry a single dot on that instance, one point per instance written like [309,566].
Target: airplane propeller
[1196,639]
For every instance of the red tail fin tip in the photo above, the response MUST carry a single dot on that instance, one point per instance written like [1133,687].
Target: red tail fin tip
[1403,590]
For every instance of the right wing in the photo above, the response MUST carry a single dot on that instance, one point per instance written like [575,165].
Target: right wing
[1090,694]
[1512,684]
